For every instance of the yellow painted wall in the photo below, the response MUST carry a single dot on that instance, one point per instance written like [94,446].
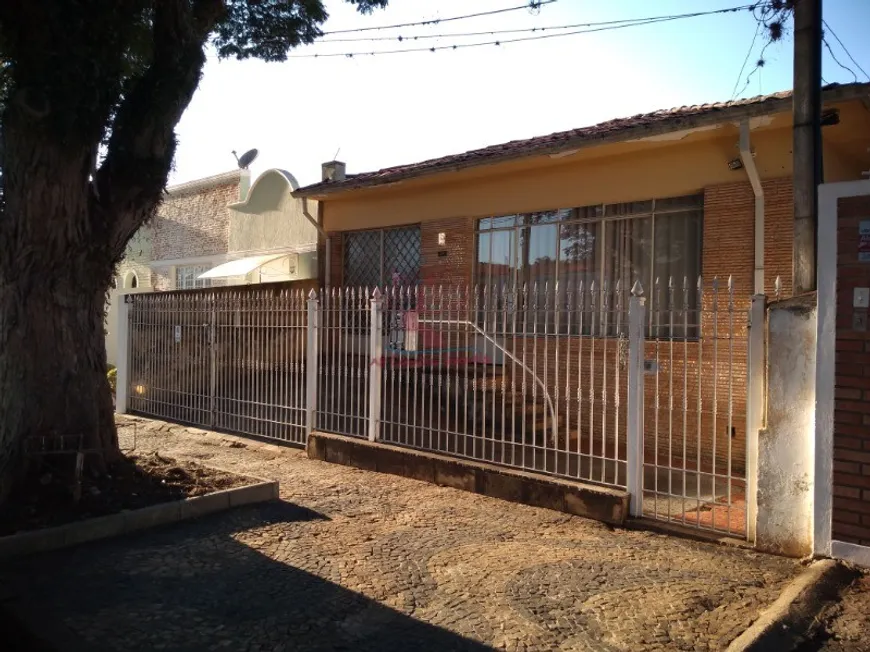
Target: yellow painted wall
[638,170]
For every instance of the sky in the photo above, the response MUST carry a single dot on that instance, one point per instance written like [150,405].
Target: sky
[379,111]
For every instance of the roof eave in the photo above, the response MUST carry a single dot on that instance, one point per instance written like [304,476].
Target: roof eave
[667,125]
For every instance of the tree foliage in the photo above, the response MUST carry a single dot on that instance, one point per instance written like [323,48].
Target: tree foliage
[94,72]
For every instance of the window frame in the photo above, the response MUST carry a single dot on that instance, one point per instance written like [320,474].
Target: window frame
[198,284]
[382,258]
[694,204]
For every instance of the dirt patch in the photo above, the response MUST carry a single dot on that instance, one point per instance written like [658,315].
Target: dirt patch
[137,481]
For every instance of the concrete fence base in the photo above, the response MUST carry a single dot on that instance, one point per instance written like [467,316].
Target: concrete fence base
[599,503]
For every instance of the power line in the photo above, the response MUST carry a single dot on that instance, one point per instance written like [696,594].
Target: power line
[533,5]
[625,22]
[845,49]
[837,61]
[745,61]
[758,66]
[420,37]
[611,25]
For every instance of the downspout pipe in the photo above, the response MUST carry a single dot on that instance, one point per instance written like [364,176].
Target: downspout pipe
[755,181]
[327,243]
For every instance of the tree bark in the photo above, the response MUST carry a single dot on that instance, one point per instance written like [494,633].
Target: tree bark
[52,374]
[63,225]
[55,267]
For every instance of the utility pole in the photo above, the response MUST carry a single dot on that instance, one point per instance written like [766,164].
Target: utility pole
[807,150]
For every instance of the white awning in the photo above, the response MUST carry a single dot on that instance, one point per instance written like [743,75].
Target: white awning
[241,267]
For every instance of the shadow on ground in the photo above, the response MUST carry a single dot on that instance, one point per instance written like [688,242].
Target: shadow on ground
[195,586]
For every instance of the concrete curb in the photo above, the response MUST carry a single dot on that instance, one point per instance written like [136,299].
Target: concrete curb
[793,617]
[54,538]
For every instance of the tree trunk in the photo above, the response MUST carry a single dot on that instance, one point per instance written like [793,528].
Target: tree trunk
[64,223]
[53,373]
[55,268]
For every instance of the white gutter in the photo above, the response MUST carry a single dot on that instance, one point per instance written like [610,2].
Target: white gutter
[313,220]
[755,180]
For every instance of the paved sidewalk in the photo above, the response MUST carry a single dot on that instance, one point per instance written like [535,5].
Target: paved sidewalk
[360,561]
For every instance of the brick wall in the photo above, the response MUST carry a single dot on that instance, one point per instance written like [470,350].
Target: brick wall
[194,223]
[708,375]
[452,264]
[729,235]
[449,265]
[851,513]
[336,259]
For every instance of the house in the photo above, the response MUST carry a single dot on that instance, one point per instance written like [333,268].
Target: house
[452,220]
[223,230]
[691,207]
[217,231]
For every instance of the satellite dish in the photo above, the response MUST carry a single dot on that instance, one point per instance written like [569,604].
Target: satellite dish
[245,160]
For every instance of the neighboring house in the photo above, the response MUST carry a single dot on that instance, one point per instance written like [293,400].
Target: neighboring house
[658,198]
[272,235]
[220,230]
[191,230]
[133,275]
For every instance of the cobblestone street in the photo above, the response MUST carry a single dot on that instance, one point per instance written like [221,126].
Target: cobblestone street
[360,561]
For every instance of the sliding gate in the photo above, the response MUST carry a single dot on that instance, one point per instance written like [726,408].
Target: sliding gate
[229,359]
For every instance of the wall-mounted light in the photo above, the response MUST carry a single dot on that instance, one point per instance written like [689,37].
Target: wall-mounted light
[830,118]
[140,389]
[442,239]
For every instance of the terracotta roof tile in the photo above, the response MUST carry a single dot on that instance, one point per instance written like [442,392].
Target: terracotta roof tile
[637,126]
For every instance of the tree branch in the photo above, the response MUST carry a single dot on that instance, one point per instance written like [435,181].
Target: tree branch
[142,144]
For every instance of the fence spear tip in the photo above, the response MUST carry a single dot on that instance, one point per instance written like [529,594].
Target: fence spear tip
[637,289]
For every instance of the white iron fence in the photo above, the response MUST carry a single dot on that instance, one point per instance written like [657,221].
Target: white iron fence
[228,359]
[600,383]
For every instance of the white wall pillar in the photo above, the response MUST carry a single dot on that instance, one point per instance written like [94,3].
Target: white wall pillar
[122,335]
[826,282]
[784,523]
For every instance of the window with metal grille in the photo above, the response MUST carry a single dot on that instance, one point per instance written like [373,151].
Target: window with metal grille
[559,256]
[384,257]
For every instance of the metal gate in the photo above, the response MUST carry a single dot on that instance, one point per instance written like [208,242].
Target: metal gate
[696,406]
[230,359]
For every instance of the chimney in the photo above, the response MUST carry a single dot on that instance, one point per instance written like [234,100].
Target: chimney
[333,171]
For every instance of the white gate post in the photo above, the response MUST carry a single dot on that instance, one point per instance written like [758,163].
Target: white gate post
[376,360]
[311,363]
[755,374]
[122,342]
[634,450]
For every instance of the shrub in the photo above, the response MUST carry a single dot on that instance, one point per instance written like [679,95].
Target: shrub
[112,376]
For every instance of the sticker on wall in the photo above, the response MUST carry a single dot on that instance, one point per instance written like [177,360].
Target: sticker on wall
[864,242]
[412,328]
[178,334]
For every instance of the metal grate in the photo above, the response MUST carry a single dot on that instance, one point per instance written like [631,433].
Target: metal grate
[383,257]
[401,256]
[362,259]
